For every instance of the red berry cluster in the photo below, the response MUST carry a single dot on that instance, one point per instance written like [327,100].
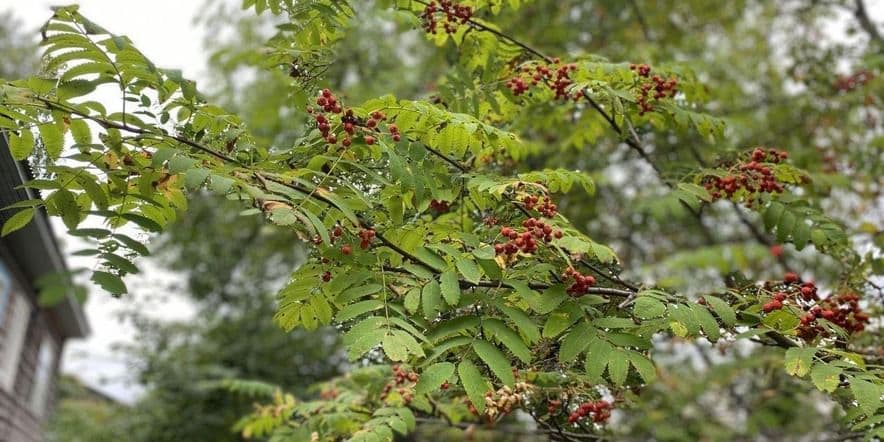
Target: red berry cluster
[546,207]
[328,394]
[581,283]
[394,131]
[372,123]
[404,381]
[326,276]
[600,411]
[440,206]
[365,237]
[662,87]
[846,83]
[452,14]
[751,175]
[526,241]
[842,310]
[553,405]
[643,70]
[556,76]
[328,102]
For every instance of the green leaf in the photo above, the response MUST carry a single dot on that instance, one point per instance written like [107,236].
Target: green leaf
[398,345]
[647,307]
[724,311]
[474,384]
[597,358]
[576,342]
[18,221]
[867,394]
[495,360]
[469,269]
[81,132]
[96,193]
[21,145]
[799,360]
[523,322]
[360,308]
[509,338]
[643,366]
[132,244]
[123,264]
[110,282]
[433,377]
[450,287]
[195,178]
[66,205]
[707,322]
[618,366]
[771,215]
[556,323]
[53,139]
[412,299]
[432,299]
[825,377]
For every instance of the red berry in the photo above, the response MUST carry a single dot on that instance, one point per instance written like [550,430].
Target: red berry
[791,277]
[346,249]
[369,140]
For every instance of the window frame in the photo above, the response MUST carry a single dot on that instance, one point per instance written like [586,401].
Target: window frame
[38,398]
[15,334]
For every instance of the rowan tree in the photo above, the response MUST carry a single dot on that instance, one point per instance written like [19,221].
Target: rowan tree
[464,281]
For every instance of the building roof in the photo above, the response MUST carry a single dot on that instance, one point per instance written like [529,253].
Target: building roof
[34,248]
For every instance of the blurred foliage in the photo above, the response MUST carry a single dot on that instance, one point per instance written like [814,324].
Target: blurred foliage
[18,48]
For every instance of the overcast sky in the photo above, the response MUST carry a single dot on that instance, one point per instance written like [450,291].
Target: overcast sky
[162,30]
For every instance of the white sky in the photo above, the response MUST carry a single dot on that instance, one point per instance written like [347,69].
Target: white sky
[164,32]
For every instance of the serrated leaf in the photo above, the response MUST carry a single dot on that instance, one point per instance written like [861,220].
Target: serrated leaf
[495,360]
[110,282]
[431,298]
[398,345]
[509,338]
[643,366]
[412,300]
[647,307]
[556,323]
[53,139]
[450,287]
[81,132]
[21,145]
[575,342]
[707,322]
[360,308]
[597,358]
[523,322]
[469,269]
[724,311]
[18,221]
[771,214]
[618,366]
[195,178]
[825,377]
[799,360]
[867,394]
[473,383]
[433,377]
